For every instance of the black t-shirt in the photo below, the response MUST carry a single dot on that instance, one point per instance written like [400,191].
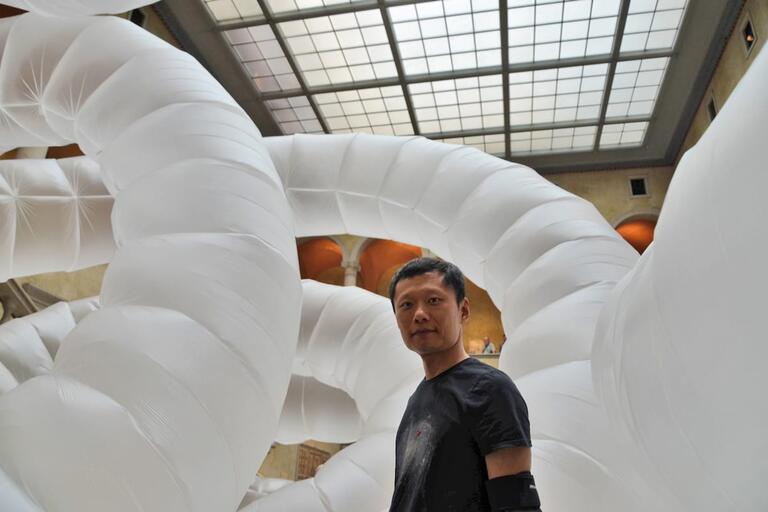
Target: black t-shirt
[451,423]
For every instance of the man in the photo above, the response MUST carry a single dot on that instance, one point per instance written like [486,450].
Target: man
[464,441]
[488,346]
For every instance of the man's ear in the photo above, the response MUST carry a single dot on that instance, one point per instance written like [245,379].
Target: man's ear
[464,308]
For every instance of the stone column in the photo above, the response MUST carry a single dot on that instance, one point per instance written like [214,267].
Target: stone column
[37,152]
[351,268]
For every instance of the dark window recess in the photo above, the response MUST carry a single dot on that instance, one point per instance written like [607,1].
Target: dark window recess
[637,185]
[138,17]
[749,35]
[711,109]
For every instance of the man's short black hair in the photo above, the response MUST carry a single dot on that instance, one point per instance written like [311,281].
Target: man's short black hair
[452,276]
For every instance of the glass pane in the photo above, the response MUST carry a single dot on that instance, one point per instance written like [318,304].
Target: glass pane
[556,94]
[652,25]
[492,144]
[230,10]
[294,115]
[623,134]
[553,141]
[636,86]
[543,31]
[377,110]
[262,58]
[342,48]
[453,105]
[294,5]
[439,36]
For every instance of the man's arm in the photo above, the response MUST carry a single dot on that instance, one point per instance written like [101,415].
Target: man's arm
[508,461]
[510,485]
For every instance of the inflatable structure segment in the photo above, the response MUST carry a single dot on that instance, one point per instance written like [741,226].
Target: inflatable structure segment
[54,215]
[217,318]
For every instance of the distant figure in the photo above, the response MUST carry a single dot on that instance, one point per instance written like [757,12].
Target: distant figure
[488,346]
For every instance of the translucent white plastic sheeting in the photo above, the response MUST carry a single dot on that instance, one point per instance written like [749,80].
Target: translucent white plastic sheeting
[203,305]
[195,308]
[581,461]
[54,215]
[680,355]
[359,372]
[29,344]
[542,253]
[77,7]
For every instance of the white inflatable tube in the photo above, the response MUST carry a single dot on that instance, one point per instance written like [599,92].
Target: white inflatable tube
[54,216]
[349,343]
[184,304]
[77,7]
[680,356]
[206,306]
[540,251]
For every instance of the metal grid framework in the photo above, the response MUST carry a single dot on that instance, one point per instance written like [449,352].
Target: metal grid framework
[510,77]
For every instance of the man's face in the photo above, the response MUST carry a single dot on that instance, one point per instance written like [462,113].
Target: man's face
[428,316]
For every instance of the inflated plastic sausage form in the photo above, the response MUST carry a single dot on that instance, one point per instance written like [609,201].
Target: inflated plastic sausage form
[679,356]
[168,398]
[54,215]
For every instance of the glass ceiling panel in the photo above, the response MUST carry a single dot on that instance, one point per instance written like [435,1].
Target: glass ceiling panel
[623,135]
[263,59]
[377,110]
[434,37]
[551,30]
[340,49]
[462,104]
[294,115]
[551,141]
[492,144]
[636,85]
[294,5]
[556,95]
[652,25]
[230,10]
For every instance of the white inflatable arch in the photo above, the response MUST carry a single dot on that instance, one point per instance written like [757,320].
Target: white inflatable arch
[168,397]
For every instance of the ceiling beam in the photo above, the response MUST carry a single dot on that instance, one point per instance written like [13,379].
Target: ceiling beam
[615,51]
[504,33]
[195,30]
[292,64]
[530,128]
[314,12]
[466,73]
[398,65]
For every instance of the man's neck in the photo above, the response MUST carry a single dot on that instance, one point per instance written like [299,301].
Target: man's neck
[437,363]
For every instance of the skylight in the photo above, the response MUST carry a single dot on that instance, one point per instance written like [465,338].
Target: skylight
[339,49]
[555,75]
[441,36]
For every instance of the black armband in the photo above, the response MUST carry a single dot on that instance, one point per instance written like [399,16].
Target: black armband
[513,492]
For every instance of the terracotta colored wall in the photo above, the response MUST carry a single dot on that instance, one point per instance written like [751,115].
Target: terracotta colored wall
[639,233]
[64,151]
[318,255]
[382,258]
[6,11]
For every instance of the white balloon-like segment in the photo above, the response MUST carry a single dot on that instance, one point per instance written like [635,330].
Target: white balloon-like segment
[189,362]
[168,397]
[54,215]
[77,7]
